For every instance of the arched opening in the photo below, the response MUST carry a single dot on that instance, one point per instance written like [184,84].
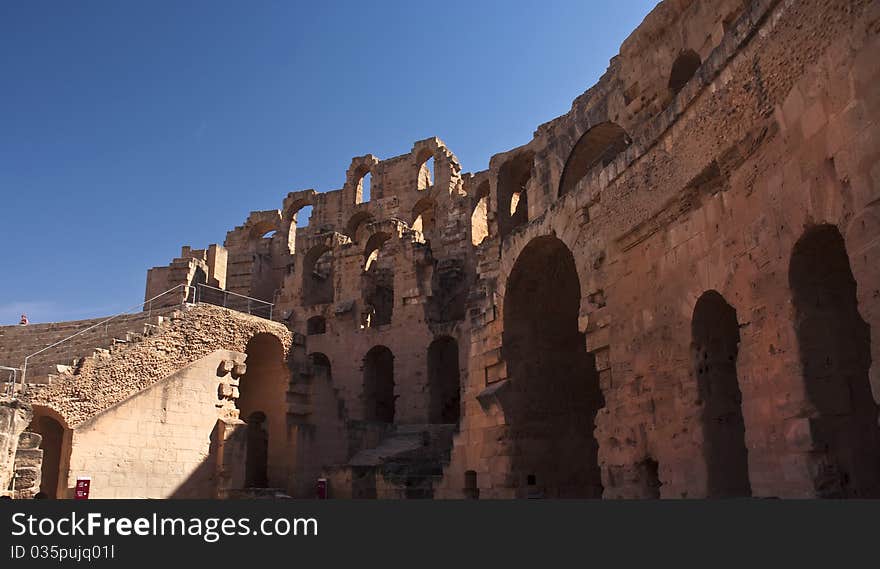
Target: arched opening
[683,68]
[513,180]
[257,459]
[480,215]
[357,227]
[714,349]
[834,344]
[262,404]
[553,379]
[261,230]
[596,148]
[649,471]
[364,187]
[423,217]
[52,444]
[379,385]
[199,278]
[426,170]
[444,382]
[316,325]
[318,276]
[377,282]
[302,217]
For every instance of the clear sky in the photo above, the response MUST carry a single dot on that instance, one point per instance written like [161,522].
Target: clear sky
[130,128]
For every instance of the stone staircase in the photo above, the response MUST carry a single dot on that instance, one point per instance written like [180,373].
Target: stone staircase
[18,342]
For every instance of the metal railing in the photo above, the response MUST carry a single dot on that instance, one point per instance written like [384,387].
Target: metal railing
[232,300]
[145,306]
[188,294]
[9,386]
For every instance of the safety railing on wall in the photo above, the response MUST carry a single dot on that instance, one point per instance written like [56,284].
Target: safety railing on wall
[213,295]
[162,300]
[187,294]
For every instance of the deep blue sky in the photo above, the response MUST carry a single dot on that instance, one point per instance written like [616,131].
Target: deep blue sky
[131,128]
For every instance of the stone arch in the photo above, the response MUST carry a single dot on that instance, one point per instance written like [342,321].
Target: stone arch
[378,388]
[377,282]
[317,276]
[364,184]
[427,173]
[683,68]
[596,148]
[262,404]
[714,349]
[480,214]
[259,229]
[834,345]
[356,228]
[554,384]
[291,215]
[316,325]
[444,381]
[56,448]
[513,180]
[423,216]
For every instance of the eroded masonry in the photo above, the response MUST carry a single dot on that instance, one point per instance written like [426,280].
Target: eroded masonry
[670,291]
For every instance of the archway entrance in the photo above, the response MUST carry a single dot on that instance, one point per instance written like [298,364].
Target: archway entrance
[554,383]
[262,404]
[715,337]
[52,433]
[835,353]
[444,382]
[379,385]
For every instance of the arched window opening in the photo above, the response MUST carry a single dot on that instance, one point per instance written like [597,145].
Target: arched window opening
[554,384]
[444,381]
[513,179]
[378,394]
[316,325]
[358,226]
[834,344]
[714,350]
[426,171]
[596,148]
[377,283]
[269,234]
[318,285]
[363,193]
[423,217]
[684,67]
[302,217]
[480,215]
[199,278]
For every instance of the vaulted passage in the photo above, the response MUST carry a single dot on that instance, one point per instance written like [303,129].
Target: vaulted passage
[835,353]
[379,385]
[262,404]
[715,344]
[53,440]
[317,283]
[444,381]
[595,149]
[554,386]
[513,204]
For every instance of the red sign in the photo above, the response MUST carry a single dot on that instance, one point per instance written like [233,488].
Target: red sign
[321,488]
[82,488]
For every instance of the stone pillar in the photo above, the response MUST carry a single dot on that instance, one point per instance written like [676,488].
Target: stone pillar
[14,418]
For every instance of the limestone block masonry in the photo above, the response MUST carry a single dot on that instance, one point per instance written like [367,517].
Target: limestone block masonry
[668,292]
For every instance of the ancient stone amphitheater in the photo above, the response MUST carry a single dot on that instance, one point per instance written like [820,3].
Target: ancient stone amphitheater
[668,292]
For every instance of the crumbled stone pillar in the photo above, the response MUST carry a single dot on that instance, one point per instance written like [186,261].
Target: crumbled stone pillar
[14,418]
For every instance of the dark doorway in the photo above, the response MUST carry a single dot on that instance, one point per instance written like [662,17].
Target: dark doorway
[257,468]
[444,381]
[715,345]
[835,353]
[554,383]
[53,440]
[379,385]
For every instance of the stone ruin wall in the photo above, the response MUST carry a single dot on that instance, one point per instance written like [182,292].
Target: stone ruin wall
[720,138]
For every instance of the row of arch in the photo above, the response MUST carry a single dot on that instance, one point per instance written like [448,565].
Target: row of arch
[556,392]
[595,149]
[444,383]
